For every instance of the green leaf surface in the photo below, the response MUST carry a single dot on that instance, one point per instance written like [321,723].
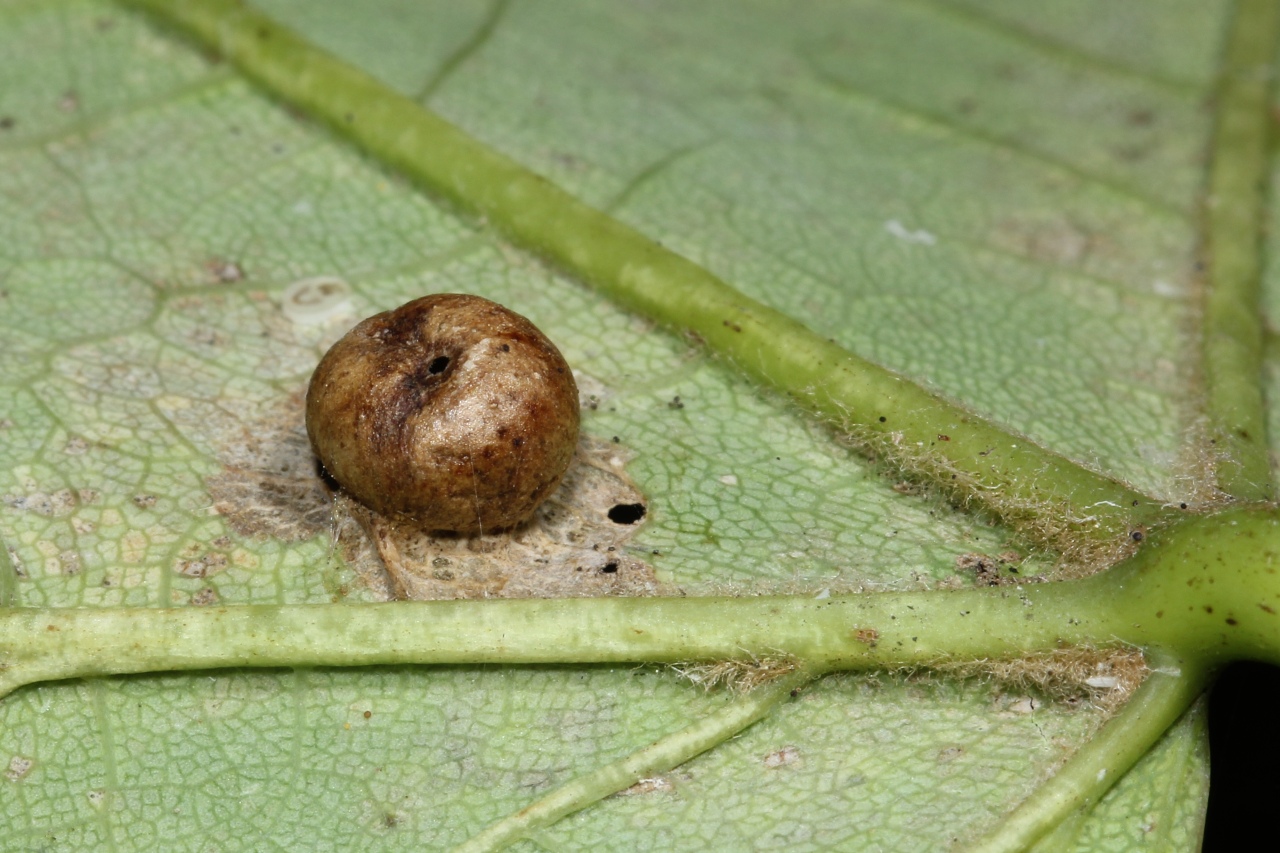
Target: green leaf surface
[999,204]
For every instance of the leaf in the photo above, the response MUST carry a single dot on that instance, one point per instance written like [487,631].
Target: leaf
[996,202]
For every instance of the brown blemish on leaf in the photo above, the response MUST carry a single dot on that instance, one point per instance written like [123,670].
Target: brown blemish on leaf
[784,757]
[204,597]
[201,566]
[47,504]
[19,767]
[19,567]
[867,636]
[570,548]
[223,271]
[986,570]
[269,486]
[69,562]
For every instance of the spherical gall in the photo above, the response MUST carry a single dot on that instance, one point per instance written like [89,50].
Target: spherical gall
[450,411]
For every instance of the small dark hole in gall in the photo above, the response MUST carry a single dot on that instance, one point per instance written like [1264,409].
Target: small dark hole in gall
[626,513]
[438,364]
[609,568]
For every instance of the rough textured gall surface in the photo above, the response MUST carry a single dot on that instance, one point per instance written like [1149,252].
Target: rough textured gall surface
[451,411]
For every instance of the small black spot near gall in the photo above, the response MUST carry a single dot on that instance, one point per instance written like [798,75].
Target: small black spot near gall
[1136,536]
[1182,506]
[506,347]
[516,442]
[438,364]
[324,475]
[883,419]
[609,568]
[1232,622]
[1135,503]
[7,122]
[617,440]
[1159,614]
[1268,609]
[1208,608]
[626,513]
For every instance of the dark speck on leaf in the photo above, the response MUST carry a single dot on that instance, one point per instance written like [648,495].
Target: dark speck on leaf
[626,513]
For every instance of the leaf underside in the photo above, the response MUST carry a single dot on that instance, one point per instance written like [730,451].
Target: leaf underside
[999,204]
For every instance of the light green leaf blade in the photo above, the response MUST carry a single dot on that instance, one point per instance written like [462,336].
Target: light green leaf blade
[952,247]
